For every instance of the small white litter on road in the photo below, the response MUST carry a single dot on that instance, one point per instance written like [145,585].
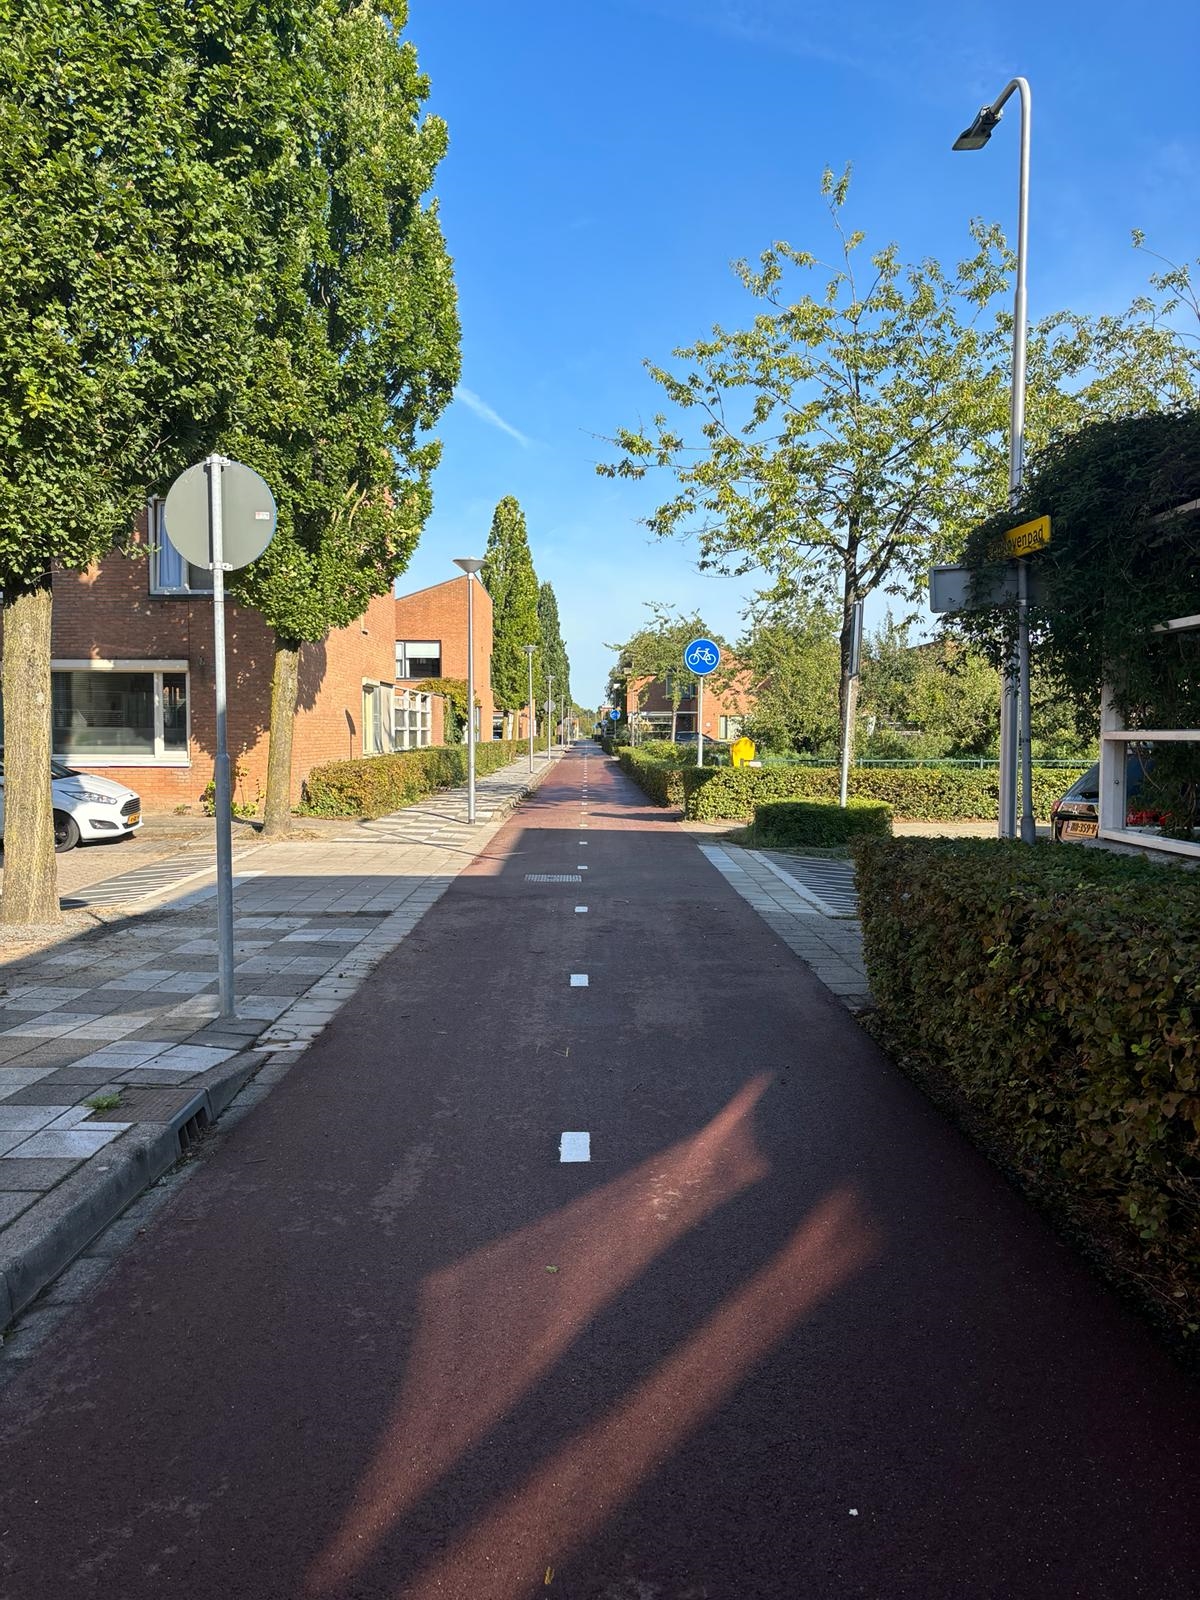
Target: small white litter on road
[575,1147]
[579,980]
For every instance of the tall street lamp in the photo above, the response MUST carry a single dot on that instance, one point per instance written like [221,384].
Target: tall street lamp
[529,652]
[1014,719]
[470,566]
[549,710]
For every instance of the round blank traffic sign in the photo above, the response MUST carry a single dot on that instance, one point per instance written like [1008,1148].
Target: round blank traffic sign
[247,515]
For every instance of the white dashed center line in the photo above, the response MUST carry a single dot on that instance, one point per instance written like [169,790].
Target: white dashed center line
[575,1147]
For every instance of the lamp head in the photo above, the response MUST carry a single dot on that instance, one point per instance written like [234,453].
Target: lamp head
[530,649]
[469,564]
[980,131]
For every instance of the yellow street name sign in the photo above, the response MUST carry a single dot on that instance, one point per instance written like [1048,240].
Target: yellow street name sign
[1030,536]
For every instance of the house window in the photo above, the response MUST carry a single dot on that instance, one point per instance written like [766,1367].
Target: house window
[169,572]
[107,713]
[418,658]
[379,719]
[414,720]
[730,727]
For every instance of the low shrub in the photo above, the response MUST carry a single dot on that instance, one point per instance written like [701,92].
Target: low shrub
[372,786]
[1052,995]
[659,780]
[922,794]
[793,823]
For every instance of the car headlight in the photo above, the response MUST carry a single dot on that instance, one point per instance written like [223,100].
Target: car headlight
[94,798]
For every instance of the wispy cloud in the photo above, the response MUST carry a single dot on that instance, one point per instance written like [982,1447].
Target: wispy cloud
[480,407]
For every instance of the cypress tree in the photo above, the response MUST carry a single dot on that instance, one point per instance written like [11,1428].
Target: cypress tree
[510,580]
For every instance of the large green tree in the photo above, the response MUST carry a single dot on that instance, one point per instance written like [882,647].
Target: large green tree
[148,160]
[852,434]
[654,654]
[510,580]
[554,660]
[791,654]
[353,359]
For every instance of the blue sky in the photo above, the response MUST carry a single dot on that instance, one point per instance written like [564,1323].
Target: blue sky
[610,158]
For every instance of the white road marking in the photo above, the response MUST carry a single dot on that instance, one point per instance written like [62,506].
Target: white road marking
[579,980]
[575,1147]
[579,909]
[581,867]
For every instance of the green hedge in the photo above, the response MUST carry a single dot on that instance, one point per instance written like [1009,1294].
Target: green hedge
[923,794]
[1054,993]
[791,823]
[661,780]
[374,785]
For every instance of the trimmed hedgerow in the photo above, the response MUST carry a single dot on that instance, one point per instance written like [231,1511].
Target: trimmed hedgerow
[920,794]
[371,786]
[661,781]
[1054,994]
[794,823]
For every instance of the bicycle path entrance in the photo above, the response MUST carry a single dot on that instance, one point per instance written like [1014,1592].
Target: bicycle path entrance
[596,1252]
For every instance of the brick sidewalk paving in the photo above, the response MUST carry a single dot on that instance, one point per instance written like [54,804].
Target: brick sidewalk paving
[126,1014]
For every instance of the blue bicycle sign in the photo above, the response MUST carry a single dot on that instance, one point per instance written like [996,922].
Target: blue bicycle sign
[702,656]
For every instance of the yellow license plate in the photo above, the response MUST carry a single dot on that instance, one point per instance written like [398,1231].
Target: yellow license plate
[133,819]
[1080,830]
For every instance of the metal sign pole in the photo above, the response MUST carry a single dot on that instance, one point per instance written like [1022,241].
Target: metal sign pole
[470,698]
[700,722]
[221,784]
[532,708]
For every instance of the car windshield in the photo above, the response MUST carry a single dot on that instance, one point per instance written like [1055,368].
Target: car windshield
[57,769]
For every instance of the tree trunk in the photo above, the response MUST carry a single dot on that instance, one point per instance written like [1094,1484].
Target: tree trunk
[674,721]
[285,682]
[30,873]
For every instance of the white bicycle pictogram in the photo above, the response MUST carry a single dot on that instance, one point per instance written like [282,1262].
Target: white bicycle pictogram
[703,656]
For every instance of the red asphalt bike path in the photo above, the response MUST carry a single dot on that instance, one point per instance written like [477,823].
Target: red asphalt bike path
[785,1336]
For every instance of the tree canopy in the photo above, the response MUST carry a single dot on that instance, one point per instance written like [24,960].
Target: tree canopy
[151,164]
[554,659]
[850,435]
[510,580]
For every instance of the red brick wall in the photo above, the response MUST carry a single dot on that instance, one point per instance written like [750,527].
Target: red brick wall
[440,613]
[108,613]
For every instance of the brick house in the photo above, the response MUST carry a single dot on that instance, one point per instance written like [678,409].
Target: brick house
[132,683]
[431,641]
[725,707]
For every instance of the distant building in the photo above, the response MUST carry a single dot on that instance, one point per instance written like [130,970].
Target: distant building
[431,641]
[648,704]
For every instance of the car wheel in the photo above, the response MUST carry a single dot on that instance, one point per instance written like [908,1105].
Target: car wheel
[66,832]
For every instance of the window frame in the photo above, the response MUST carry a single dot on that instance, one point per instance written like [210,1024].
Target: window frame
[162,757]
[378,697]
[1115,736]
[403,674]
[156,533]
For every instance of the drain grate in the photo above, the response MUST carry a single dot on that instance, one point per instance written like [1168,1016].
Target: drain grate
[553,877]
[192,1130]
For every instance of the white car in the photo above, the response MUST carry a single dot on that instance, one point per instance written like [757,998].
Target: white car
[85,806]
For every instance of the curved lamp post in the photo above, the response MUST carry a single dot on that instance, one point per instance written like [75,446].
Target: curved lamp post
[1015,726]
[470,566]
[529,654]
